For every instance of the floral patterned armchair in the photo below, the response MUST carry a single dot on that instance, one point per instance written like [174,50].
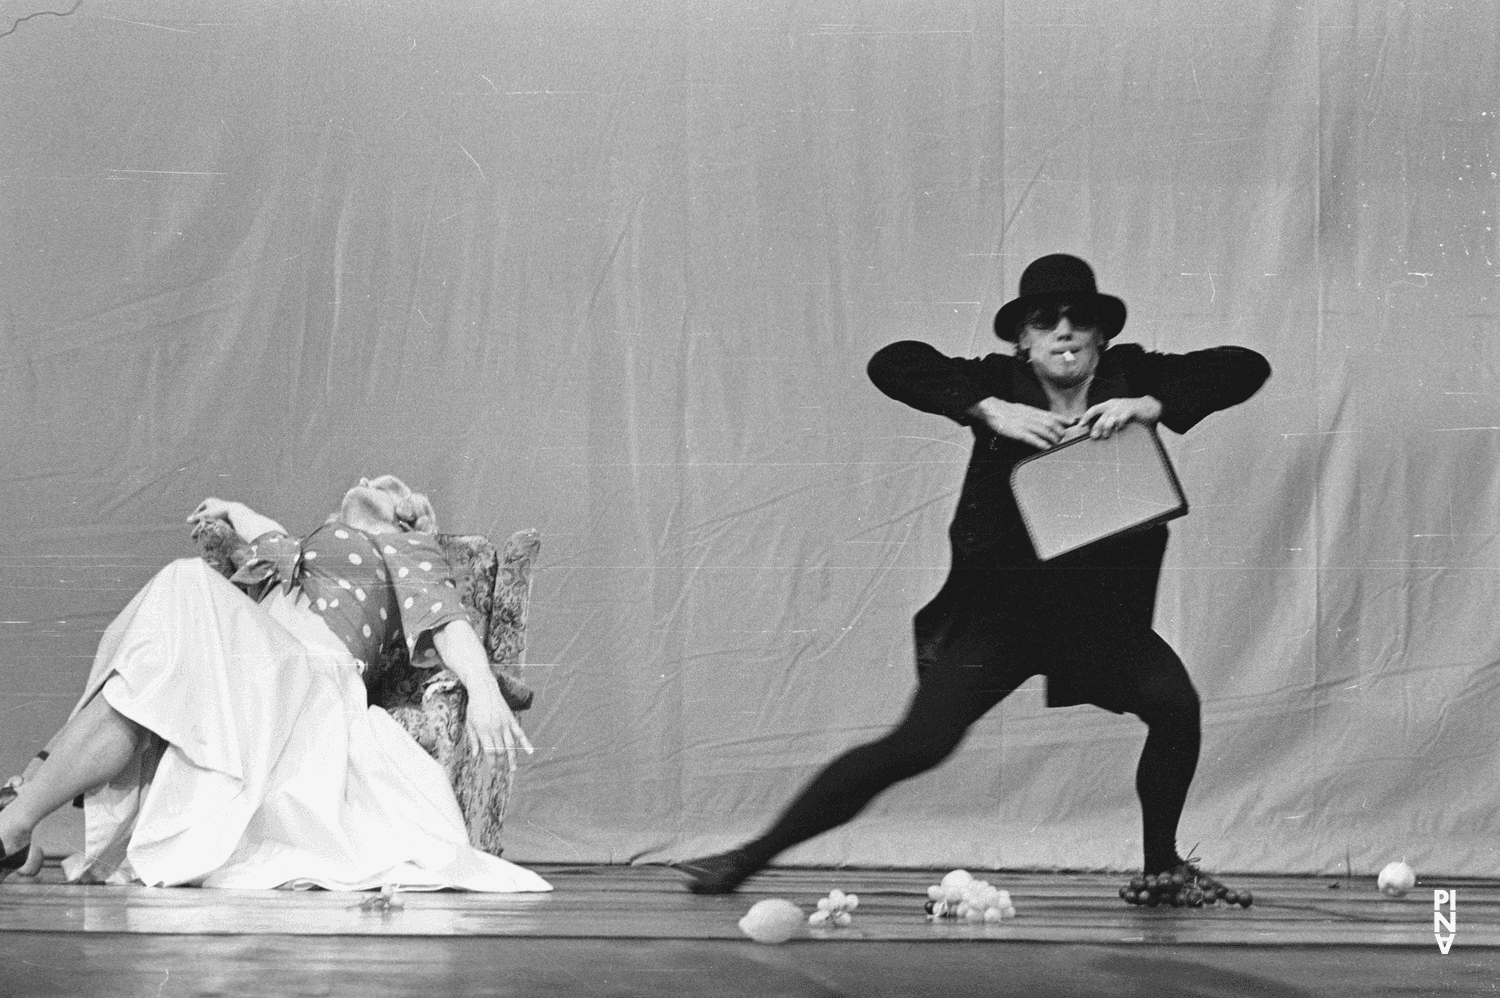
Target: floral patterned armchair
[423,695]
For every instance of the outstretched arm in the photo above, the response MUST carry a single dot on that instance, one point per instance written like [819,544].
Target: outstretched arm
[1180,389]
[489,720]
[961,389]
[917,374]
[1193,385]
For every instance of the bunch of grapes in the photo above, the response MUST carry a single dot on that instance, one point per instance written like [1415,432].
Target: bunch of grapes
[1181,889]
[960,895]
[837,908]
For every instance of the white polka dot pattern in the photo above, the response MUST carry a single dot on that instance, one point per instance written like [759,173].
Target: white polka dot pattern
[401,586]
[349,560]
[419,573]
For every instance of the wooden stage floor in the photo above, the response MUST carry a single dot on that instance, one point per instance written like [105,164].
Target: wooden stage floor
[635,931]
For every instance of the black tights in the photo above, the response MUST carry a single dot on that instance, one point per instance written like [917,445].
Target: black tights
[950,699]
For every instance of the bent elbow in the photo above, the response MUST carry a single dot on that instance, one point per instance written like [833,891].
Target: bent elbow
[1258,373]
[892,363]
[883,365]
[1247,373]
[1262,370]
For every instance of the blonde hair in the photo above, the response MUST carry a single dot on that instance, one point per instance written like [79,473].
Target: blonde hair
[413,509]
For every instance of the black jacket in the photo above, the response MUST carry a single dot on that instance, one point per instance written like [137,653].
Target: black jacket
[1189,386]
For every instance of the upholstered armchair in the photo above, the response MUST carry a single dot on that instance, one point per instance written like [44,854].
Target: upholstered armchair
[424,696]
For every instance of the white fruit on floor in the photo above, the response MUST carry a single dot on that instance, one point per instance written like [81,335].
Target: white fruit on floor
[1396,879]
[774,920]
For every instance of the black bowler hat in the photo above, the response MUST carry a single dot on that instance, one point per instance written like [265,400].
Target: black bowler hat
[1057,279]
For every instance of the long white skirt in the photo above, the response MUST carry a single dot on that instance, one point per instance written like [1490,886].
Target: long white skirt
[269,769]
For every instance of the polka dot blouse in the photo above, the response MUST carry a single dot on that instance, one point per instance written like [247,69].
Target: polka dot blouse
[373,590]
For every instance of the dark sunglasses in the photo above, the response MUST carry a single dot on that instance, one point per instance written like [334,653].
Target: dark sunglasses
[1048,316]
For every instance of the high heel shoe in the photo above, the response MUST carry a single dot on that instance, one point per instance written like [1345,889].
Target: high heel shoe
[12,861]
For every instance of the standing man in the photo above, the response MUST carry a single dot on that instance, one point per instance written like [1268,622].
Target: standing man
[1083,620]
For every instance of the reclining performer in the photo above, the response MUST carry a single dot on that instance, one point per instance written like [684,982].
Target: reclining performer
[225,742]
[1002,616]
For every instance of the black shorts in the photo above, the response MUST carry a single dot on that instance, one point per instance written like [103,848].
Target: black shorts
[1087,629]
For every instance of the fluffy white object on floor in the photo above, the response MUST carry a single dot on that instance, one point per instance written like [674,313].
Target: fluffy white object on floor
[774,920]
[837,908]
[962,895]
[956,878]
[1396,879]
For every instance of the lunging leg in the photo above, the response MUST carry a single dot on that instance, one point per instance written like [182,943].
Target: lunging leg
[946,704]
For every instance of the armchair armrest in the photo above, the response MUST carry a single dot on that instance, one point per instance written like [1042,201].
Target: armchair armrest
[495,589]
[506,640]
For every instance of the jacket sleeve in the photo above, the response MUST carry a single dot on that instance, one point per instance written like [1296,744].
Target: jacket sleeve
[1190,386]
[917,374]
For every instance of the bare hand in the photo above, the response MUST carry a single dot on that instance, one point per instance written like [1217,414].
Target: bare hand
[209,510]
[1107,417]
[493,728]
[1025,423]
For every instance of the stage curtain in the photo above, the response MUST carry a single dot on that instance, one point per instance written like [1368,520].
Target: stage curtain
[614,271]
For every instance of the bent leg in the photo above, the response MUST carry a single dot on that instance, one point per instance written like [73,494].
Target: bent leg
[1166,700]
[93,747]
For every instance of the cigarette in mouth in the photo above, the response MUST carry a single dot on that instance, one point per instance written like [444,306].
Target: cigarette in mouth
[1068,356]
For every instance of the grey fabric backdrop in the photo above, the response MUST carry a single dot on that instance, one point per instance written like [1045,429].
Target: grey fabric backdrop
[614,270]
